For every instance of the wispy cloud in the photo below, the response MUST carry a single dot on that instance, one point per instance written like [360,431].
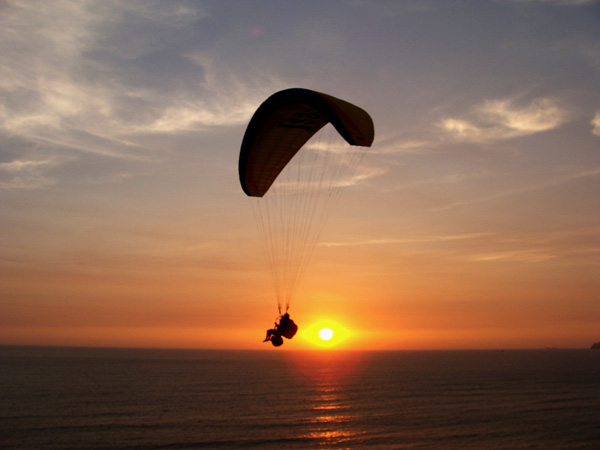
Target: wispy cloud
[548,183]
[542,114]
[25,174]
[560,2]
[406,146]
[521,255]
[444,180]
[531,254]
[182,118]
[17,166]
[596,124]
[464,130]
[503,119]
[539,247]
[409,240]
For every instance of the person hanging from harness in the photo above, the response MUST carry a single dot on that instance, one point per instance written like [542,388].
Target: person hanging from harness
[286,328]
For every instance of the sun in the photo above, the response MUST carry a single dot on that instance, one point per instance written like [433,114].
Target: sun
[326,334]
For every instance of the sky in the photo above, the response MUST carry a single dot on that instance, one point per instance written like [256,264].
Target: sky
[124,223]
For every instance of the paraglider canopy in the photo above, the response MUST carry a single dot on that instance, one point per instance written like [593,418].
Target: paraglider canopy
[284,123]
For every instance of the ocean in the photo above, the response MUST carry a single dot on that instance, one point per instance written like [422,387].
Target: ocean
[79,398]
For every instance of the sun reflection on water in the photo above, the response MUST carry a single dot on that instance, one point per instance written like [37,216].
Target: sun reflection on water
[333,419]
[332,422]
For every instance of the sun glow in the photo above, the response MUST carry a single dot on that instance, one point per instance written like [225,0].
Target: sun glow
[325,334]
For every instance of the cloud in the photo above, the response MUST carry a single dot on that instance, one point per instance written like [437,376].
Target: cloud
[503,119]
[96,78]
[362,174]
[463,130]
[547,183]
[410,240]
[596,124]
[16,166]
[181,118]
[393,145]
[104,70]
[25,174]
[560,2]
[521,255]
[540,115]
[541,246]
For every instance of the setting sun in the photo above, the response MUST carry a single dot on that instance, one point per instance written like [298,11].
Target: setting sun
[326,334]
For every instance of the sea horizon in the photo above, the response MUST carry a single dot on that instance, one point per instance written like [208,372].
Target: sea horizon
[307,350]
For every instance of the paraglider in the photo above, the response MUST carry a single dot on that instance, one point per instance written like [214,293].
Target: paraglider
[294,178]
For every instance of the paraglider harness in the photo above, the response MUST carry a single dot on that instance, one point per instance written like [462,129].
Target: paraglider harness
[286,328]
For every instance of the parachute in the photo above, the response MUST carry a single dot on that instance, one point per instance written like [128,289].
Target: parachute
[289,161]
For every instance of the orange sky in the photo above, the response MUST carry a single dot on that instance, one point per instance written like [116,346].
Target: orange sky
[476,224]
